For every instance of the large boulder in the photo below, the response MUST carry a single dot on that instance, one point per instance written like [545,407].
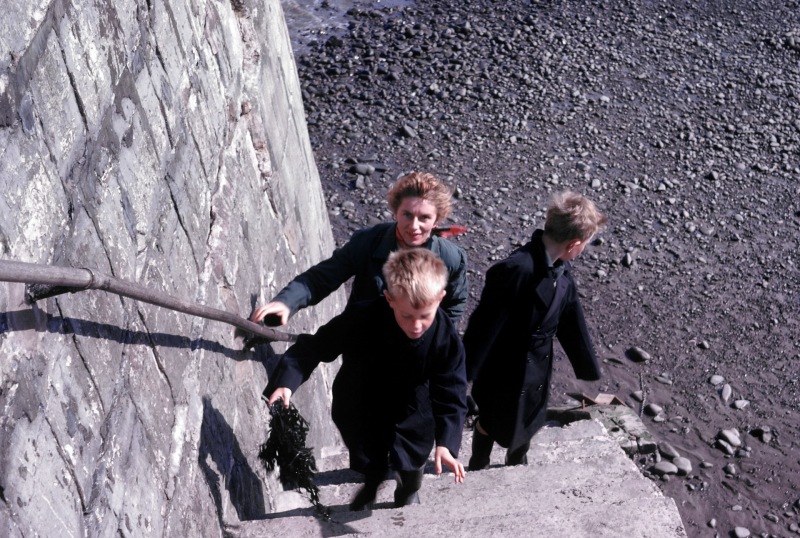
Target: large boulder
[162,142]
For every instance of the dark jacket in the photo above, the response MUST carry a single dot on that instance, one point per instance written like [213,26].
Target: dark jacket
[363,257]
[509,342]
[392,394]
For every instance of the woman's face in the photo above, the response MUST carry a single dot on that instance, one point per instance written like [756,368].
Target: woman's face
[416,218]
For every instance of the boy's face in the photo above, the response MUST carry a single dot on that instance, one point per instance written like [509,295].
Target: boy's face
[413,321]
[415,217]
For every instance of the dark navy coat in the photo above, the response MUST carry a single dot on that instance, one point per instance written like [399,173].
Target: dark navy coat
[392,395]
[363,257]
[509,342]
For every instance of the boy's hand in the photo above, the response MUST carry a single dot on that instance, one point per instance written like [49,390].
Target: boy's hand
[280,393]
[443,455]
[277,311]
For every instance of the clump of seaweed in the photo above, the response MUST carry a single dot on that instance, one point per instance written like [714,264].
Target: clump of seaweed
[286,449]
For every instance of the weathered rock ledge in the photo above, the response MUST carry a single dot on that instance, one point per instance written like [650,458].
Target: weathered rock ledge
[163,143]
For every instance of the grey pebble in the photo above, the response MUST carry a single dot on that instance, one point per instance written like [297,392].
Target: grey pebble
[726,392]
[731,437]
[683,464]
[637,354]
[730,469]
[707,230]
[725,447]
[741,532]
[408,131]
[364,169]
[627,260]
[716,379]
[653,409]
[740,404]
[664,468]
[668,450]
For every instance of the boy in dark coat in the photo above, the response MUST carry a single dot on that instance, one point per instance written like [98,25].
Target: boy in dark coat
[402,383]
[528,299]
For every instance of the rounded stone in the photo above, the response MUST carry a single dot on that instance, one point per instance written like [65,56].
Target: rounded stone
[683,464]
[653,409]
[667,450]
[664,468]
[731,437]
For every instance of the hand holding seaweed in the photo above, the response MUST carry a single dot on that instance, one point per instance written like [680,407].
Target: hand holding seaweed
[286,449]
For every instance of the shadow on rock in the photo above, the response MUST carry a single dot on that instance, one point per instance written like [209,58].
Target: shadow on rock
[228,474]
[23,320]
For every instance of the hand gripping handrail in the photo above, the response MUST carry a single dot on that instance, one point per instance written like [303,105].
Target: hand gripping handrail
[71,279]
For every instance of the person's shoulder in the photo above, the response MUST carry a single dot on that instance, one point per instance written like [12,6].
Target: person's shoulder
[450,253]
[366,315]
[446,328]
[512,271]
[376,229]
[379,229]
[521,258]
[367,307]
[369,239]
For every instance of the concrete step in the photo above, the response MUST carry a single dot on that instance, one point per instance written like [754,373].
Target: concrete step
[579,482]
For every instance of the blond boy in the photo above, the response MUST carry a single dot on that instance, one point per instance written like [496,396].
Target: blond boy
[529,299]
[402,384]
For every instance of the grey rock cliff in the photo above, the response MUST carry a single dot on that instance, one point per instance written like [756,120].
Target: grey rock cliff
[162,142]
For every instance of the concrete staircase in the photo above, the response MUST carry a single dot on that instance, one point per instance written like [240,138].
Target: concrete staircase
[579,483]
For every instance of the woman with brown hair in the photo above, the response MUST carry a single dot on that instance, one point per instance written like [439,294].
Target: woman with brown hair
[419,202]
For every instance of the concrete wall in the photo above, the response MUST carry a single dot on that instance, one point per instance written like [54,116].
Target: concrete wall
[163,142]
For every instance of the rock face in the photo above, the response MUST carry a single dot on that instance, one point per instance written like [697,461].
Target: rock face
[161,142]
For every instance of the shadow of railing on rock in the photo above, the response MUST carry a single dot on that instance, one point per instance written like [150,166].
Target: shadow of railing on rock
[23,320]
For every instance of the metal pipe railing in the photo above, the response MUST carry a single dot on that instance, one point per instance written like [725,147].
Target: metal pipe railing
[49,280]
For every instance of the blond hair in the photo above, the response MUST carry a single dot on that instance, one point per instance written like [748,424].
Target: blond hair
[572,216]
[417,274]
[422,185]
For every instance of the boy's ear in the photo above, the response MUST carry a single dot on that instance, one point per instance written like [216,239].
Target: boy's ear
[386,294]
[573,243]
[441,295]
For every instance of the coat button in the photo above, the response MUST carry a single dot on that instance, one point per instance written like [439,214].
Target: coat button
[522,392]
[540,387]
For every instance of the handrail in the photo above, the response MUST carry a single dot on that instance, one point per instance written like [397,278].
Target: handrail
[71,279]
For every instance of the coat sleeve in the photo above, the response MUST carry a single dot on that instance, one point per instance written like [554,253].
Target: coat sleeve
[313,285]
[300,360]
[573,335]
[457,289]
[489,317]
[448,390]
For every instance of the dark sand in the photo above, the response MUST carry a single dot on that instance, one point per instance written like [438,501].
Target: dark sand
[682,121]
